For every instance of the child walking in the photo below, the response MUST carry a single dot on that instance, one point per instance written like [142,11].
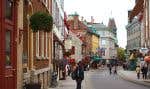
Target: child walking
[138,72]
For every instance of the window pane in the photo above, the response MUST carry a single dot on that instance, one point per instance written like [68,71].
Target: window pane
[8,9]
[7,48]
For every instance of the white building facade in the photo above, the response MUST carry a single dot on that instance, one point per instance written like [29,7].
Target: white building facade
[107,41]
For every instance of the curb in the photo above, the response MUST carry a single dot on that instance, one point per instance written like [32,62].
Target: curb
[133,81]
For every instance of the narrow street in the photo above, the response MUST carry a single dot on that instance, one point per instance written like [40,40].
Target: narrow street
[47,44]
[101,79]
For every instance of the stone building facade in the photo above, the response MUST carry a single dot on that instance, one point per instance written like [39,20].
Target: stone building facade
[107,41]
[134,35]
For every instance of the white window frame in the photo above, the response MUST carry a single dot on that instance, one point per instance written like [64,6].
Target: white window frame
[46,46]
[37,44]
[42,44]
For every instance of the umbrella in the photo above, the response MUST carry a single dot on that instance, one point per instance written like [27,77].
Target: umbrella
[147,58]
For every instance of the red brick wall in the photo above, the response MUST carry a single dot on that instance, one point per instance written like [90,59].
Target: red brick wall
[39,63]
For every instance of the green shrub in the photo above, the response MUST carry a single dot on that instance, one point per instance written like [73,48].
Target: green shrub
[41,21]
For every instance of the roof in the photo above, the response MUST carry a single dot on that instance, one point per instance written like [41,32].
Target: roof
[99,26]
[111,23]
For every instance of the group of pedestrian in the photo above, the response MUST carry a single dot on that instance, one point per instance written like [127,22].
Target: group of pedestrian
[142,69]
[110,66]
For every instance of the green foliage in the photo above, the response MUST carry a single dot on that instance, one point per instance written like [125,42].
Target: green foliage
[41,21]
[121,54]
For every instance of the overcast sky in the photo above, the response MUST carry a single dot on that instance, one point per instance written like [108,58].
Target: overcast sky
[102,10]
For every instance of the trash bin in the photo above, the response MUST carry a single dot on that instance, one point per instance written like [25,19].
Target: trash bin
[33,86]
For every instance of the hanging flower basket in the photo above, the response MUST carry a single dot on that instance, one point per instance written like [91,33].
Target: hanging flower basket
[41,21]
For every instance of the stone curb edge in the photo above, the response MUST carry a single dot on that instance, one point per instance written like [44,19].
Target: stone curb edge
[133,81]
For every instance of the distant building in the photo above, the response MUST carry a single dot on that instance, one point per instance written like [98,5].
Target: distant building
[134,35]
[113,38]
[58,36]
[79,29]
[76,47]
[93,39]
[108,39]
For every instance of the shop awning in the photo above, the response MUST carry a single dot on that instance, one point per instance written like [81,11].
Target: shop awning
[96,58]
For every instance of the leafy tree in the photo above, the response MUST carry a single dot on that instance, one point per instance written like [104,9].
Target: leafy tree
[121,54]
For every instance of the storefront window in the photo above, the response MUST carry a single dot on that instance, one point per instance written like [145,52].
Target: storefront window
[7,48]
[8,9]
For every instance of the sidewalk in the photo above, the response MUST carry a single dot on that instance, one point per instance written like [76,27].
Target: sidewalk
[131,76]
[68,84]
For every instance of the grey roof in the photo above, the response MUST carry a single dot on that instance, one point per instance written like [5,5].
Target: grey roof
[99,26]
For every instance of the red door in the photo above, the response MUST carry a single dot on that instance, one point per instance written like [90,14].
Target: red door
[8,46]
[10,70]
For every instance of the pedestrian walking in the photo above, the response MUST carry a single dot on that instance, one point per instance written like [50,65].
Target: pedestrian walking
[110,68]
[79,75]
[69,70]
[138,72]
[115,70]
[144,71]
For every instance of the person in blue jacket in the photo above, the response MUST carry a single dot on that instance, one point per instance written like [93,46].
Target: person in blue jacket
[79,72]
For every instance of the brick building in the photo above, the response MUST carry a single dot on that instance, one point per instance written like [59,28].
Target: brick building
[77,27]
[37,46]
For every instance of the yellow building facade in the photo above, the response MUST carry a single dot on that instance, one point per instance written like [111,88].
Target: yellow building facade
[95,43]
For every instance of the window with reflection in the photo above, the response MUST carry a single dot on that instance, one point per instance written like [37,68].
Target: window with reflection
[8,9]
[7,48]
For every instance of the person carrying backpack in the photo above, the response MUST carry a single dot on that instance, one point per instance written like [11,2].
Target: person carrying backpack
[79,75]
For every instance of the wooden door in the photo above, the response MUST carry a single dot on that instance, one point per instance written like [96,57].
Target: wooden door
[10,61]
[10,45]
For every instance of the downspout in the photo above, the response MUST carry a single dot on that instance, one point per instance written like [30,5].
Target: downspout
[148,23]
[145,44]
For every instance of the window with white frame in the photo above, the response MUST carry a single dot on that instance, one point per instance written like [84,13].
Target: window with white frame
[46,45]
[103,41]
[42,44]
[37,43]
